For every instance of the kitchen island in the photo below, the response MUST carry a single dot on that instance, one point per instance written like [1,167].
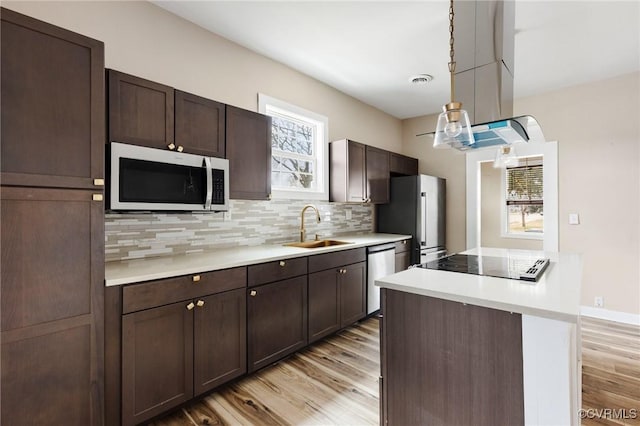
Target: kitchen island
[460,349]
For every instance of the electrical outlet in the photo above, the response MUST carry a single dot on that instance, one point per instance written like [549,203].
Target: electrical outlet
[348,214]
[574,219]
[598,302]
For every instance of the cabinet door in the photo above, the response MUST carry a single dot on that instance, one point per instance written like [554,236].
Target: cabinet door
[200,125]
[403,260]
[356,172]
[220,339]
[401,165]
[249,154]
[353,287]
[277,320]
[157,361]
[52,289]
[52,105]
[140,111]
[377,172]
[324,312]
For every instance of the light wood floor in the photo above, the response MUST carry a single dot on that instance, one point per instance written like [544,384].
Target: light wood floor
[335,382]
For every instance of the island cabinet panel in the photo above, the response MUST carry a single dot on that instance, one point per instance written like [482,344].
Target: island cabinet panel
[446,363]
[220,339]
[401,165]
[200,125]
[157,361]
[277,320]
[249,154]
[141,112]
[52,105]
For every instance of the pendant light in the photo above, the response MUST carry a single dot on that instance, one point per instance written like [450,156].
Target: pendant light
[506,156]
[453,129]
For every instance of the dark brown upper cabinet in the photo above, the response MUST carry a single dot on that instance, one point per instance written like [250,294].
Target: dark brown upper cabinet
[200,125]
[52,105]
[358,173]
[141,112]
[377,173]
[249,154]
[401,165]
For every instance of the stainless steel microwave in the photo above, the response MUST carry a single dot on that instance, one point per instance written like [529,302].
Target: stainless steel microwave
[142,178]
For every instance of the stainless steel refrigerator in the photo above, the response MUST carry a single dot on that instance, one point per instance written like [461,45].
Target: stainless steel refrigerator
[417,208]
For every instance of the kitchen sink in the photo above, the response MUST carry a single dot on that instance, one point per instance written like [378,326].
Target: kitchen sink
[318,243]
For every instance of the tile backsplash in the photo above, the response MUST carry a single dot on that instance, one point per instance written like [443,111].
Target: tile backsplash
[247,223]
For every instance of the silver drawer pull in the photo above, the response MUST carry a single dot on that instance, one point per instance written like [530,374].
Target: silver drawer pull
[282,263]
[195,278]
[253,293]
[190,306]
[200,303]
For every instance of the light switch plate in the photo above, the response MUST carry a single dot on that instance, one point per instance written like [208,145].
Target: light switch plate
[348,214]
[574,219]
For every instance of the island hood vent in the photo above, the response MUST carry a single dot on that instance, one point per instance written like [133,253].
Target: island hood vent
[484,43]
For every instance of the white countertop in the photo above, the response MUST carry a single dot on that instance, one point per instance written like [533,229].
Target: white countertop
[138,270]
[556,295]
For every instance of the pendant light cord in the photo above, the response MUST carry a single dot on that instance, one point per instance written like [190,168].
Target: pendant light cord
[452,62]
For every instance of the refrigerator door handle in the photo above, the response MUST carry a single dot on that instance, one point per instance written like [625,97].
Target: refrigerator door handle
[423,214]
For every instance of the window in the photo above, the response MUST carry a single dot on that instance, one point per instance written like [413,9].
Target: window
[524,199]
[299,150]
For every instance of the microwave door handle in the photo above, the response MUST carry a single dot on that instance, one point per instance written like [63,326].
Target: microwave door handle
[423,214]
[209,196]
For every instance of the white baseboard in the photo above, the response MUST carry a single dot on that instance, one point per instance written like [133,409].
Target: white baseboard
[624,317]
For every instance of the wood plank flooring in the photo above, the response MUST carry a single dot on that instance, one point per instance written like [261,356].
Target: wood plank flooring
[610,372]
[334,382]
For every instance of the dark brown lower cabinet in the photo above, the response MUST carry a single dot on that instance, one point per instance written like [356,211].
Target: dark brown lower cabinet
[52,287]
[353,293]
[220,340]
[337,298]
[277,320]
[324,308]
[157,361]
[175,352]
[447,363]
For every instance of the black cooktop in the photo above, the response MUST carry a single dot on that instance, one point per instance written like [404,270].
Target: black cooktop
[501,267]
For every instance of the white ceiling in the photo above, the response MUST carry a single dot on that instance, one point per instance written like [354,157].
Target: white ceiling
[369,49]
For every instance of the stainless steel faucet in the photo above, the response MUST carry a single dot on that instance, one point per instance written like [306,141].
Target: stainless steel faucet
[302,230]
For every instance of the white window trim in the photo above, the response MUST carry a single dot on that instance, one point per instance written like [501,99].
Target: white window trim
[504,226]
[322,192]
[550,182]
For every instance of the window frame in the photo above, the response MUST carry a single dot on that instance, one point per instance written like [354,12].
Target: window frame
[268,105]
[504,207]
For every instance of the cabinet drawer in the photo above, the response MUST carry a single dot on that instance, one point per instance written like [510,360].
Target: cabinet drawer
[320,262]
[161,292]
[402,246]
[276,271]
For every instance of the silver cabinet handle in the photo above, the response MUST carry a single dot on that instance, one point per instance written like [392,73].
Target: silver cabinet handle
[190,306]
[253,293]
[200,303]
[195,278]
[282,263]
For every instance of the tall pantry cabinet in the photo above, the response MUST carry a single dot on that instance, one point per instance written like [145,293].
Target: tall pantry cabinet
[52,224]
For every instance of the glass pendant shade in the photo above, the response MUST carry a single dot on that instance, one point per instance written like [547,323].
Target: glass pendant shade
[506,156]
[453,128]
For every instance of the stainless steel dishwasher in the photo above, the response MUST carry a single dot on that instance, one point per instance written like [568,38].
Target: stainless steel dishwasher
[381,261]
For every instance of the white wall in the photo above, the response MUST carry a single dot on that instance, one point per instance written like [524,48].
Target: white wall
[147,41]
